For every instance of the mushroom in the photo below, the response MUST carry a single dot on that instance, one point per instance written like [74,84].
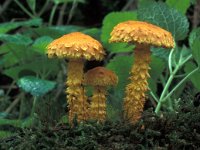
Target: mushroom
[99,78]
[143,35]
[76,47]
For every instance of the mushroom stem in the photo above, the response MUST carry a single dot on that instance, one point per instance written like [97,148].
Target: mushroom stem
[135,91]
[77,100]
[98,104]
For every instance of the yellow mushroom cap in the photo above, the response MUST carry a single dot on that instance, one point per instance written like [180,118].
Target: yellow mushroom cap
[142,33]
[76,45]
[100,76]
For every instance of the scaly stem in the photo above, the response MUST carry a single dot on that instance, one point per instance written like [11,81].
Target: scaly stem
[77,100]
[98,104]
[135,91]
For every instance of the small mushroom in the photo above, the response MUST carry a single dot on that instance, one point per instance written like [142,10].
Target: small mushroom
[143,35]
[99,78]
[76,47]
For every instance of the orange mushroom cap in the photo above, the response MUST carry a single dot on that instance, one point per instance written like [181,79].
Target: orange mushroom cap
[100,76]
[76,45]
[142,33]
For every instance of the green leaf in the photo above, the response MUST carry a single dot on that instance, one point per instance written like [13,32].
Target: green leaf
[17,54]
[121,65]
[111,20]
[161,52]
[190,66]
[180,5]
[160,14]
[94,32]
[193,35]
[40,67]
[157,66]
[16,38]
[196,50]
[35,86]
[31,4]
[5,27]
[41,43]
[56,31]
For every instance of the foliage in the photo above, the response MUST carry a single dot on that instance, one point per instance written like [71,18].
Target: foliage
[177,131]
[32,86]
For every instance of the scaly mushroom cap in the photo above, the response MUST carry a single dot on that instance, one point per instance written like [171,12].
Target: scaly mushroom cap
[100,76]
[142,33]
[76,45]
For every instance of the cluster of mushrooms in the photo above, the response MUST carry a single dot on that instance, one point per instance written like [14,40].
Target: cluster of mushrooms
[78,48]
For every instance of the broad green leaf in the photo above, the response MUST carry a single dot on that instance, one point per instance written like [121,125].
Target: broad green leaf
[9,59]
[180,5]
[31,4]
[157,66]
[5,27]
[196,50]
[35,86]
[111,20]
[193,35]
[121,65]
[17,53]
[56,31]
[41,67]
[161,52]
[94,32]
[190,66]
[40,44]
[16,38]
[160,14]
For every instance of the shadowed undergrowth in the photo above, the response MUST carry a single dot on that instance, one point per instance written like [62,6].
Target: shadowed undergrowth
[177,130]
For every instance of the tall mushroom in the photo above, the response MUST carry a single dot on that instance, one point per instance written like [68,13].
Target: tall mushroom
[99,78]
[143,35]
[76,47]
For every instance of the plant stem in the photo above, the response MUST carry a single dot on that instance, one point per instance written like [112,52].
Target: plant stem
[44,8]
[52,14]
[24,9]
[165,90]
[34,105]
[181,82]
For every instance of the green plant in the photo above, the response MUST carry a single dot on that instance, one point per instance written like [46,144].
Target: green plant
[29,26]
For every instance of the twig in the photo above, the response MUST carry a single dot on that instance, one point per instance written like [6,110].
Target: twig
[71,13]
[61,14]
[13,104]
[24,9]
[196,15]
[128,4]
[5,6]
[44,7]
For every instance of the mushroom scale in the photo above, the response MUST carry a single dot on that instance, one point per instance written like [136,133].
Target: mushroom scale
[143,35]
[76,47]
[99,78]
